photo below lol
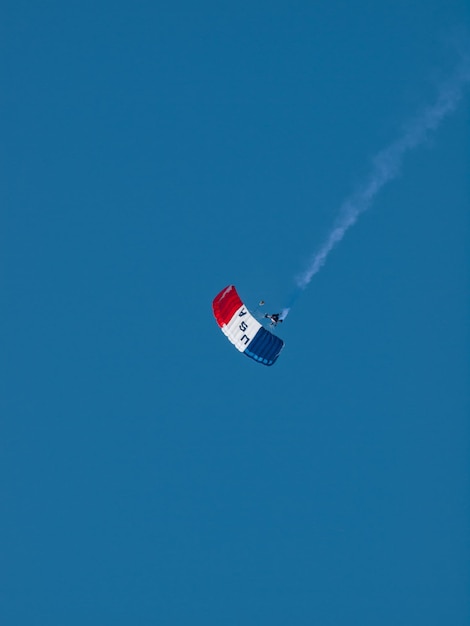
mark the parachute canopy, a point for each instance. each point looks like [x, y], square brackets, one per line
[243, 330]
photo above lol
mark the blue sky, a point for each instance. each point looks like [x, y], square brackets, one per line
[151, 474]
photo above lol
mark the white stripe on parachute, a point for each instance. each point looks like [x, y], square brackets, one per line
[241, 329]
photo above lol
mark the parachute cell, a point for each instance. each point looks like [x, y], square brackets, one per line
[243, 330]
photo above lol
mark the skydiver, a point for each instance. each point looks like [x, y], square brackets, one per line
[274, 318]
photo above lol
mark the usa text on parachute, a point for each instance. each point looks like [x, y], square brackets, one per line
[243, 330]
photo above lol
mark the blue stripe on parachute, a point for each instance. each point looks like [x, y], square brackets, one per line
[265, 347]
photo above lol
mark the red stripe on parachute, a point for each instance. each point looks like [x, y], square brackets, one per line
[226, 304]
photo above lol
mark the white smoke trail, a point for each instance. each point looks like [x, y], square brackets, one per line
[385, 167]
